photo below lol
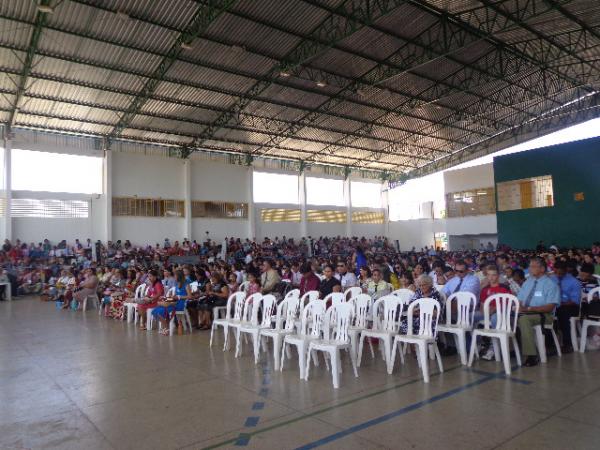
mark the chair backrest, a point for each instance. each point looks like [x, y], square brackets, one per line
[140, 291]
[269, 303]
[243, 286]
[307, 298]
[342, 314]
[429, 312]
[194, 287]
[292, 293]
[352, 292]
[507, 312]
[404, 294]
[237, 300]
[336, 298]
[313, 314]
[287, 311]
[590, 295]
[392, 309]
[466, 302]
[362, 305]
[251, 307]
[170, 292]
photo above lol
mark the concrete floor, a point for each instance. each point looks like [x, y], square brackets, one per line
[70, 380]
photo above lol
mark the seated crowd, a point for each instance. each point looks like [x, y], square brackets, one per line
[197, 277]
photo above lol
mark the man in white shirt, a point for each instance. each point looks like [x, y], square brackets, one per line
[296, 275]
[347, 279]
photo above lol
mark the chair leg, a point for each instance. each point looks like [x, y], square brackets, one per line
[390, 367]
[496, 349]
[371, 347]
[540, 341]
[361, 342]
[583, 340]
[387, 344]
[256, 342]
[472, 351]
[574, 338]
[517, 350]
[225, 337]
[335, 372]
[288, 351]
[281, 361]
[422, 349]
[556, 343]
[505, 354]
[212, 332]
[353, 359]
[431, 352]
[439, 357]
[302, 355]
[462, 346]
[238, 343]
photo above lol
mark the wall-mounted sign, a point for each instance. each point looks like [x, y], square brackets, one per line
[579, 196]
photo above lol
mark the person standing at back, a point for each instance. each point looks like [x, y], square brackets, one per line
[538, 296]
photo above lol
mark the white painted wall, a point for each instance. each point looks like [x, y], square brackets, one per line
[148, 230]
[213, 181]
[219, 229]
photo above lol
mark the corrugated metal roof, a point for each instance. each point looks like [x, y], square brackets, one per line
[267, 72]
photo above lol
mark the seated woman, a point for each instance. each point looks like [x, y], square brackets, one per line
[233, 285]
[217, 293]
[407, 281]
[154, 293]
[87, 287]
[253, 285]
[364, 278]
[425, 289]
[167, 308]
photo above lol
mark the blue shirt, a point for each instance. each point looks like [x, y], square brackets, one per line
[570, 288]
[470, 283]
[546, 291]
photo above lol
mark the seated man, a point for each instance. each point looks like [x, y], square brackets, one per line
[377, 287]
[329, 284]
[539, 295]
[570, 298]
[269, 277]
[347, 279]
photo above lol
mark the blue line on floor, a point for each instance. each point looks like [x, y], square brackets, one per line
[252, 421]
[398, 413]
[242, 440]
[258, 405]
[263, 392]
[501, 375]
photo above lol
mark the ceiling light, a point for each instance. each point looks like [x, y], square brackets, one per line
[186, 46]
[284, 74]
[321, 83]
[45, 9]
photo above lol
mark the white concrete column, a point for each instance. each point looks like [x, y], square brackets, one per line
[302, 202]
[187, 201]
[7, 189]
[348, 201]
[385, 203]
[107, 181]
[251, 207]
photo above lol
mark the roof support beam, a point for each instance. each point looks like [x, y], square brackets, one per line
[40, 21]
[202, 18]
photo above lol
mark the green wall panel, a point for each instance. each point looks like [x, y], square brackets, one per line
[575, 167]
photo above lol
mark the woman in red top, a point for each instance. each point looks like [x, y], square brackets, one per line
[154, 293]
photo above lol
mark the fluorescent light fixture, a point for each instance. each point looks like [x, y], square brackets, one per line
[321, 83]
[45, 9]
[284, 74]
[186, 46]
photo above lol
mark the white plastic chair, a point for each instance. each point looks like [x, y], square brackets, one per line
[245, 316]
[268, 304]
[591, 321]
[540, 339]
[184, 315]
[243, 286]
[383, 329]
[429, 312]
[352, 292]
[132, 314]
[235, 302]
[93, 300]
[404, 294]
[507, 315]
[466, 303]
[305, 300]
[312, 318]
[285, 319]
[336, 298]
[362, 305]
[332, 344]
